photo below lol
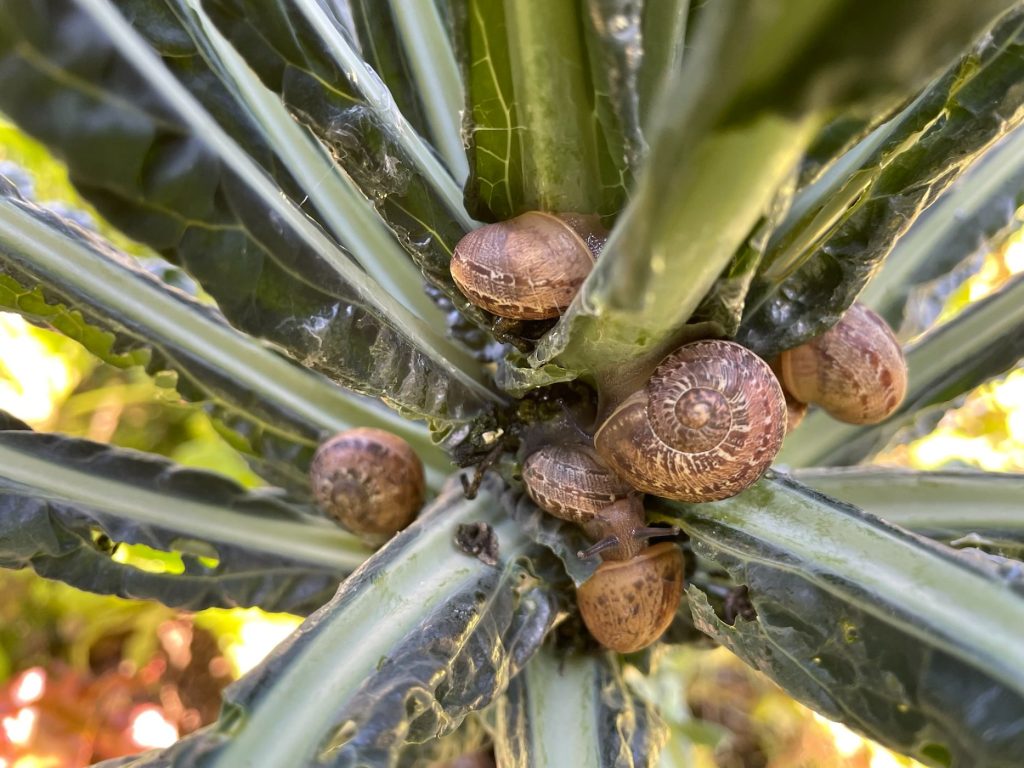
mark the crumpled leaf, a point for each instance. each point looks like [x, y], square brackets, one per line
[867, 623]
[356, 119]
[575, 710]
[971, 218]
[237, 547]
[137, 160]
[56, 274]
[813, 273]
[449, 633]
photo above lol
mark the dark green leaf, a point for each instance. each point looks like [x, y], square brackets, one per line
[448, 633]
[975, 212]
[985, 340]
[55, 273]
[535, 142]
[817, 265]
[729, 131]
[58, 494]
[294, 50]
[210, 207]
[866, 623]
[575, 710]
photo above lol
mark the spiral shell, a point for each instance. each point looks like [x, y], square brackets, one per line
[570, 482]
[529, 267]
[855, 371]
[369, 480]
[628, 604]
[706, 426]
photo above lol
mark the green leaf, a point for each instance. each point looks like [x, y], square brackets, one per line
[448, 633]
[960, 507]
[575, 710]
[975, 212]
[57, 494]
[865, 622]
[55, 273]
[613, 35]
[295, 48]
[983, 341]
[210, 206]
[821, 261]
[533, 134]
[436, 75]
[729, 131]
[664, 40]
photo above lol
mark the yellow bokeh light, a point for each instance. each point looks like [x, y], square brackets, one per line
[32, 378]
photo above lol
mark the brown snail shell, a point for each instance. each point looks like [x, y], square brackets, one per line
[571, 483]
[628, 604]
[529, 267]
[369, 480]
[855, 371]
[707, 425]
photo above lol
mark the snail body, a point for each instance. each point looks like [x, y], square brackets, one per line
[628, 604]
[707, 425]
[529, 267]
[855, 371]
[369, 480]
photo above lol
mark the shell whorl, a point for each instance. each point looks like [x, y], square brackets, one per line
[709, 422]
[571, 483]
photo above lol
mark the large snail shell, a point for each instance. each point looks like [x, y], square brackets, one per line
[526, 268]
[369, 480]
[628, 604]
[708, 424]
[855, 371]
[570, 482]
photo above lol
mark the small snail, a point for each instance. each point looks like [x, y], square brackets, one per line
[632, 597]
[628, 604]
[369, 480]
[529, 267]
[571, 483]
[707, 425]
[855, 371]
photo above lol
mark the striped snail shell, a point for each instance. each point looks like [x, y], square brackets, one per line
[707, 425]
[529, 267]
[369, 480]
[571, 483]
[855, 371]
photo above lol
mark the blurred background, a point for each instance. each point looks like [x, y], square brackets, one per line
[85, 678]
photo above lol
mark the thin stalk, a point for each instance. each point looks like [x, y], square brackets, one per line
[436, 73]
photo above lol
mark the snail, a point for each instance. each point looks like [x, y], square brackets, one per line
[705, 427]
[628, 604]
[632, 597]
[529, 267]
[369, 480]
[855, 371]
